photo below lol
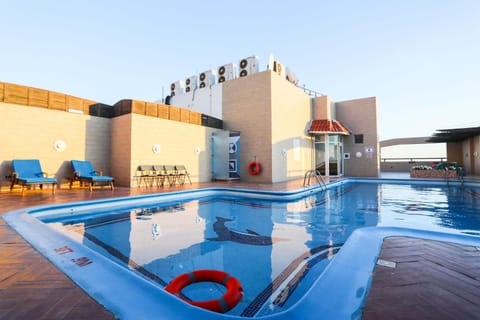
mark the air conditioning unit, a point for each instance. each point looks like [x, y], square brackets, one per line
[279, 69]
[206, 78]
[248, 66]
[290, 76]
[177, 88]
[190, 84]
[226, 72]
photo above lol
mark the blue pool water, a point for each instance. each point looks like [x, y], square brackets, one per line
[277, 249]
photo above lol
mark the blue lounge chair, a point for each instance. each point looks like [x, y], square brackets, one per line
[83, 171]
[30, 173]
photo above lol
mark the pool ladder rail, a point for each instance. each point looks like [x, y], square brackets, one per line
[460, 174]
[318, 177]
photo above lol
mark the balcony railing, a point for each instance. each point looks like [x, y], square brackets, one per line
[415, 159]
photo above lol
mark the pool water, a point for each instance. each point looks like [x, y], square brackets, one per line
[276, 249]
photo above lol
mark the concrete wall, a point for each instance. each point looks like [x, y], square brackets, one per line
[134, 136]
[476, 155]
[115, 146]
[455, 153]
[291, 144]
[206, 100]
[179, 143]
[30, 133]
[321, 108]
[470, 154]
[360, 116]
[247, 108]
[122, 149]
[272, 116]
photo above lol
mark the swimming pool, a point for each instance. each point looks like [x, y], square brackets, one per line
[279, 245]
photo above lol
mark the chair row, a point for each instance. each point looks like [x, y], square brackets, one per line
[149, 175]
[29, 173]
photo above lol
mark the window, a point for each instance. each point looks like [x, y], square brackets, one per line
[358, 138]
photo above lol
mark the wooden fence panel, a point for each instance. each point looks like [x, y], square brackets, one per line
[195, 118]
[15, 94]
[174, 113]
[138, 107]
[38, 97]
[151, 109]
[57, 101]
[86, 105]
[184, 115]
[74, 103]
[163, 111]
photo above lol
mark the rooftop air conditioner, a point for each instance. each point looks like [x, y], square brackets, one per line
[190, 84]
[177, 88]
[290, 76]
[248, 66]
[279, 69]
[226, 72]
[206, 78]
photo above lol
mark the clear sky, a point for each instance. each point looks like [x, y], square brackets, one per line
[420, 58]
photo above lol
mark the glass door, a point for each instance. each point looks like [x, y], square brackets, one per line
[320, 153]
[335, 154]
[329, 155]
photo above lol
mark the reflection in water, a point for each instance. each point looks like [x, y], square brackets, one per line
[243, 237]
[249, 237]
[155, 231]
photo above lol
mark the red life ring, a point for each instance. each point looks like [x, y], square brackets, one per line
[254, 168]
[226, 302]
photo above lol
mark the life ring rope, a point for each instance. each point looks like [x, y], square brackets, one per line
[223, 304]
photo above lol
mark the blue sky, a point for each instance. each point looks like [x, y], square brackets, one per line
[421, 59]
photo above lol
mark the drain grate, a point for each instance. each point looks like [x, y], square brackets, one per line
[386, 263]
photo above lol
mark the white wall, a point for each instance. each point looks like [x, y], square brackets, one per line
[206, 100]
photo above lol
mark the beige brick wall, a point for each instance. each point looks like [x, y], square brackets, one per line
[115, 146]
[360, 116]
[135, 135]
[322, 108]
[121, 149]
[30, 133]
[291, 145]
[247, 108]
[272, 116]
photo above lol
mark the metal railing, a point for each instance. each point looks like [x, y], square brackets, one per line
[415, 159]
[311, 93]
[318, 177]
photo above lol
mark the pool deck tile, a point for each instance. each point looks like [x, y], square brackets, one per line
[432, 280]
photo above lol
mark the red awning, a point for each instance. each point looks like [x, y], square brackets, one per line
[328, 126]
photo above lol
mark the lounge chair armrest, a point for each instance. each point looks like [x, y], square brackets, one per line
[100, 173]
[46, 175]
[13, 177]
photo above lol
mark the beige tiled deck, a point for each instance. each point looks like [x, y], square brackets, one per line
[32, 288]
